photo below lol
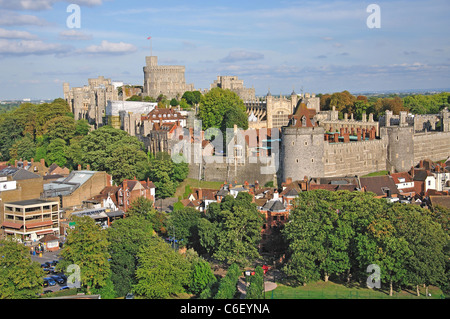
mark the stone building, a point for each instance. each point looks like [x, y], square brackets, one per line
[168, 80]
[232, 83]
[273, 112]
[89, 102]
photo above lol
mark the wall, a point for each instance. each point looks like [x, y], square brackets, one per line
[354, 158]
[432, 145]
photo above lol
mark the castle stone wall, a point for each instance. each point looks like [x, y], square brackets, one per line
[354, 158]
[432, 145]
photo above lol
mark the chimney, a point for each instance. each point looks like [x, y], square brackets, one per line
[256, 185]
[25, 163]
[88, 167]
[200, 193]
[346, 138]
[289, 181]
[15, 163]
[42, 162]
[79, 167]
[336, 138]
[411, 172]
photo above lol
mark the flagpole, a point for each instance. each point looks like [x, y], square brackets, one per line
[151, 45]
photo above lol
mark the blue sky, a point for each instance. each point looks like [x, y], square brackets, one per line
[314, 46]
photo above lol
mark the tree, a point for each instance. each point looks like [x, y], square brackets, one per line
[141, 206]
[56, 152]
[166, 174]
[20, 278]
[24, 148]
[255, 289]
[161, 272]
[82, 128]
[228, 284]
[126, 237]
[318, 238]
[427, 241]
[234, 230]
[215, 104]
[174, 102]
[114, 151]
[87, 247]
[61, 127]
[185, 222]
[202, 276]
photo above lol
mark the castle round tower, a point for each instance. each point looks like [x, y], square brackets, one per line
[302, 146]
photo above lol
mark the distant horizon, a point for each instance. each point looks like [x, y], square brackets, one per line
[407, 91]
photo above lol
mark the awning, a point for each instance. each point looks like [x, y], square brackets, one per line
[38, 224]
[12, 225]
[49, 231]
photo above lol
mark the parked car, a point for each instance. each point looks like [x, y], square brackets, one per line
[58, 279]
[45, 283]
[64, 288]
[50, 281]
[47, 271]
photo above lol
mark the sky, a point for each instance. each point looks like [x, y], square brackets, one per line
[306, 46]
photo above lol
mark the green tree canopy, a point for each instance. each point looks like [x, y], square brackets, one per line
[114, 151]
[221, 108]
[20, 278]
[126, 237]
[162, 272]
[87, 247]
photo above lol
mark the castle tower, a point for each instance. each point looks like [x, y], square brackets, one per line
[168, 80]
[400, 152]
[302, 151]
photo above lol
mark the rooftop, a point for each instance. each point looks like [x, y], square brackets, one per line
[31, 202]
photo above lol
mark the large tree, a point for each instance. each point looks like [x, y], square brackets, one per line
[87, 248]
[114, 151]
[162, 272]
[20, 278]
[232, 231]
[126, 237]
[221, 108]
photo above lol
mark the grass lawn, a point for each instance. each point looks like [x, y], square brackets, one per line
[380, 173]
[194, 183]
[330, 290]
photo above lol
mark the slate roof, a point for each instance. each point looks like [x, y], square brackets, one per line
[274, 206]
[18, 174]
[379, 185]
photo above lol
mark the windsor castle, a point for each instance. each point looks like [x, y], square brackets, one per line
[310, 142]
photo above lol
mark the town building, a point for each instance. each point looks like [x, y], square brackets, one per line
[30, 220]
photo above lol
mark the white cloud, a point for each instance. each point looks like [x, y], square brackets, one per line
[30, 47]
[14, 19]
[107, 47]
[15, 34]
